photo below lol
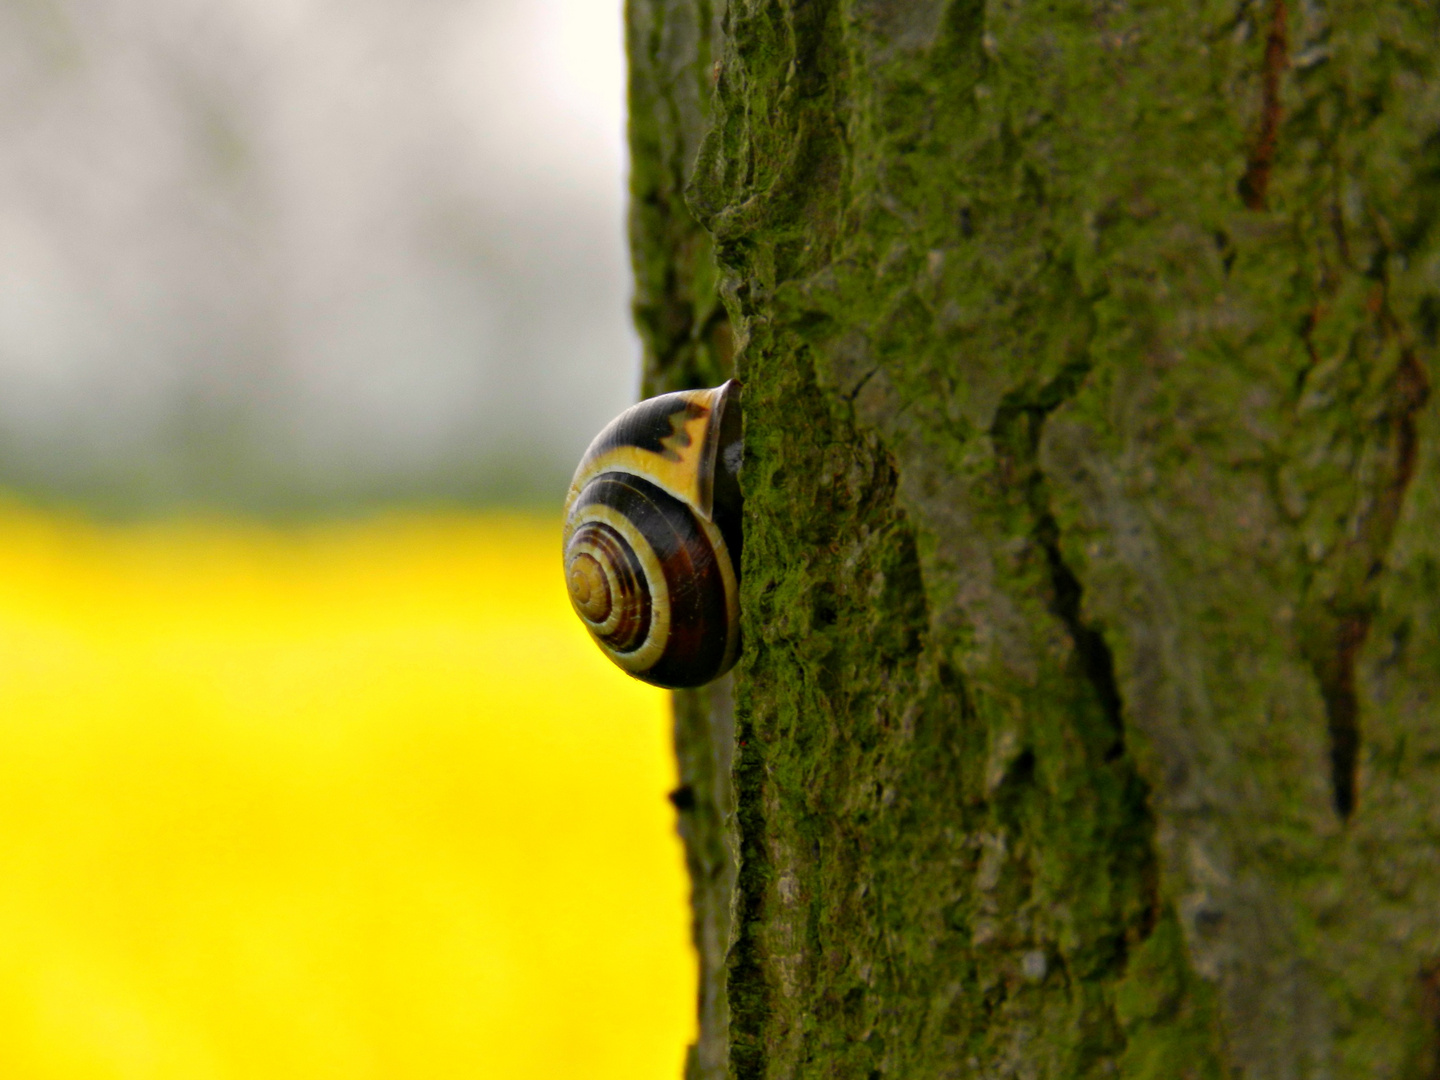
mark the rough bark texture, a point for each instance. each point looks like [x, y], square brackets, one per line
[1089, 716]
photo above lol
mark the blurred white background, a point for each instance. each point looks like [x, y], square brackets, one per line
[302, 255]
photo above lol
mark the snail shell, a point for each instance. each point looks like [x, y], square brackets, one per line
[652, 537]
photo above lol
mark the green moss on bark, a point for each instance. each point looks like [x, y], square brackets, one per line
[1087, 723]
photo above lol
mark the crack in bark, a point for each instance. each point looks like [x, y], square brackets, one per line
[1096, 660]
[1018, 427]
[853, 394]
[1097, 663]
[1342, 710]
[1254, 186]
[1093, 653]
[1344, 617]
[1334, 665]
[1336, 672]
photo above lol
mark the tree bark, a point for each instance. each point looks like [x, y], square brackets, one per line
[1088, 722]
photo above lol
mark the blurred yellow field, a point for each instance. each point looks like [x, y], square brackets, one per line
[347, 801]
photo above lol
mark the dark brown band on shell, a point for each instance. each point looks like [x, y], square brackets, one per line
[695, 651]
[650, 425]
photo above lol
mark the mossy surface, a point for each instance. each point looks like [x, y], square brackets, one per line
[1089, 717]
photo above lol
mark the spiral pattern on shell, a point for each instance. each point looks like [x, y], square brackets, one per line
[651, 535]
[608, 586]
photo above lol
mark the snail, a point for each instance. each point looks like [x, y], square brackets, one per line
[652, 537]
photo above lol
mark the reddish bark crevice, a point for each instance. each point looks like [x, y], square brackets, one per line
[1336, 672]
[1255, 184]
[1412, 390]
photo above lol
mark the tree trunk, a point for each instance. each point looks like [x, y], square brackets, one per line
[1088, 722]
